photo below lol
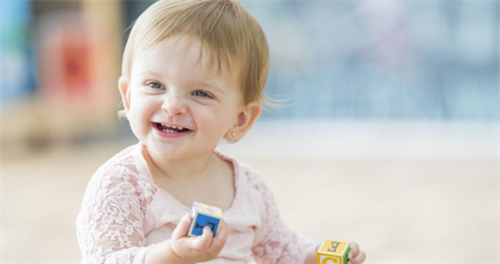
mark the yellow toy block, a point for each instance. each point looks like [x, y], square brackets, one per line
[204, 215]
[333, 252]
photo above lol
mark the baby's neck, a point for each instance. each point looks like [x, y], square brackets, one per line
[181, 170]
[209, 180]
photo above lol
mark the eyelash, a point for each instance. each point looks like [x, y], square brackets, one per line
[149, 85]
[206, 95]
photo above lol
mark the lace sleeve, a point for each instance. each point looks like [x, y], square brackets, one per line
[276, 242]
[109, 225]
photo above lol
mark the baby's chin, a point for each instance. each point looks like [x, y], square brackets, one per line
[181, 152]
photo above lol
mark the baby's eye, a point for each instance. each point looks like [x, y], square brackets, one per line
[202, 94]
[154, 85]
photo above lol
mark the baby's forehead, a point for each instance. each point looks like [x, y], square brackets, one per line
[186, 52]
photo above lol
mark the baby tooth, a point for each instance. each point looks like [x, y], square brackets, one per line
[174, 126]
[180, 128]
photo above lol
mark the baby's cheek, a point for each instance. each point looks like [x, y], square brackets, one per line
[137, 129]
[139, 122]
[212, 127]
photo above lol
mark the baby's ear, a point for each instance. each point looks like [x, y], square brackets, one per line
[123, 87]
[244, 122]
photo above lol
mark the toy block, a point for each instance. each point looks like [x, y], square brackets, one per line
[204, 215]
[333, 252]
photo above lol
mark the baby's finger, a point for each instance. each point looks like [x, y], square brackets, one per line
[205, 240]
[182, 228]
[221, 236]
[354, 250]
[360, 258]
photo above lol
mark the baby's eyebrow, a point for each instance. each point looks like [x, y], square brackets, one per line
[156, 74]
[203, 83]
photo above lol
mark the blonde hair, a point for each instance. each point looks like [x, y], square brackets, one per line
[229, 31]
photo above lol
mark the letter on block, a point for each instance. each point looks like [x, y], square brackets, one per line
[333, 252]
[204, 215]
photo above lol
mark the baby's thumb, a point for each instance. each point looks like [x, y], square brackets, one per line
[182, 228]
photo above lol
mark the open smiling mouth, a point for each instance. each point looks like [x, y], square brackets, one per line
[170, 129]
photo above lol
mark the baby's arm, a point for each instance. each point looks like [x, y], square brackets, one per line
[275, 241]
[110, 223]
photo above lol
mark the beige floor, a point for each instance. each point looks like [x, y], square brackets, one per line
[398, 210]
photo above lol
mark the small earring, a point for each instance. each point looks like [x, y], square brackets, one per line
[233, 134]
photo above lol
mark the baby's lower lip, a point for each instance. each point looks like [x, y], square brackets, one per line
[171, 133]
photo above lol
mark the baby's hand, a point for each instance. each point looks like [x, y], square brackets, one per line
[356, 256]
[200, 248]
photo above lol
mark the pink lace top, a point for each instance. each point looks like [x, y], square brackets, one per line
[124, 212]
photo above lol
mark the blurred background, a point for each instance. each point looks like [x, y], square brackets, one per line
[390, 135]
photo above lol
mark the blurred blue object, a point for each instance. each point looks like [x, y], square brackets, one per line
[16, 49]
[397, 60]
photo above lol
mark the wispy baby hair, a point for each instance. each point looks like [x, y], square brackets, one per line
[232, 35]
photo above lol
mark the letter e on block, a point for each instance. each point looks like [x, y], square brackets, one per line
[333, 252]
[204, 215]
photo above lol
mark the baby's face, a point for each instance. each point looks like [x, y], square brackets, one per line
[169, 87]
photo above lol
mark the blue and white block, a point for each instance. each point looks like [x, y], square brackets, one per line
[204, 215]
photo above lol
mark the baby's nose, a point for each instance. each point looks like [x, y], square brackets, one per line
[174, 106]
